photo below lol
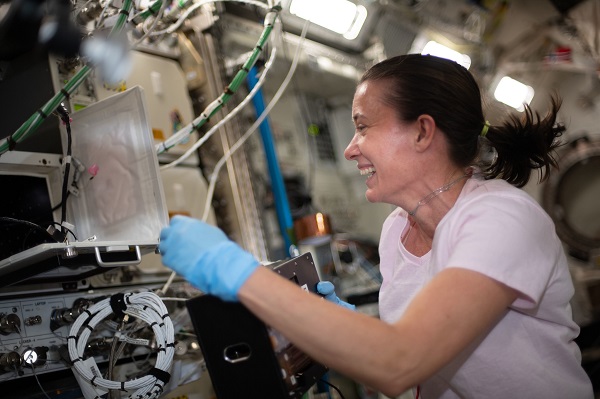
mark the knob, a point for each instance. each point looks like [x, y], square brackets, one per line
[9, 323]
[10, 361]
[35, 357]
[33, 320]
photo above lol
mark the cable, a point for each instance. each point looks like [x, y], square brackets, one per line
[145, 306]
[25, 222]
[249, 63]
[229, 91]
[333, 386]
[41, 114]
[154, 23]
[199, 4]
[242, 140]
[227, 117]
[101, 17]
[64, 116]
[38, 382]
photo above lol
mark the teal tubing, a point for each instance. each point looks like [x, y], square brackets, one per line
[282, 207]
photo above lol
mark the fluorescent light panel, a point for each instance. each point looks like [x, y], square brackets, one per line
[513, 93]
[439, 50]
[340, 16]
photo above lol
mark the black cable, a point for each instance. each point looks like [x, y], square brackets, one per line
[65, 228]
[333, 386]
[25, 222]
[59, 205]
[34, 226]
[64, 116]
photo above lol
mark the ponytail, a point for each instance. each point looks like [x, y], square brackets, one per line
[524, 144]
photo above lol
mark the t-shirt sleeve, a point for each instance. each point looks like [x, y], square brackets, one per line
[508, 238]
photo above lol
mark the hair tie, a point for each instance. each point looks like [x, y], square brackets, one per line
[484, 130]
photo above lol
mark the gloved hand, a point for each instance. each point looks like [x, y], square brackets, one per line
[205, 257]
[327, 289]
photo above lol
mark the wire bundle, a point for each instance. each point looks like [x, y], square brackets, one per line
[41, 114]
[230, 90]
[145, 306]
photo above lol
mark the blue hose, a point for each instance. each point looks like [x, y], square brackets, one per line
[282, 207]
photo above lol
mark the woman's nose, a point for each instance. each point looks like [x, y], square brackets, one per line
[351, 150]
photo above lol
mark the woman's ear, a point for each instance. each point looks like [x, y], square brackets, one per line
[425, 132]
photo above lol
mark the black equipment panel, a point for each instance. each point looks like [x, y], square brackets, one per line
[246, 358]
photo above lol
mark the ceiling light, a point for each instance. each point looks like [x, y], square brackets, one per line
[439, 50]
[513, 93]
[341, 16]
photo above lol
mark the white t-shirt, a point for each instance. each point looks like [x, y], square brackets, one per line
[498, 230]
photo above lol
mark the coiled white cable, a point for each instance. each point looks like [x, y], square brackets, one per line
[145, 306]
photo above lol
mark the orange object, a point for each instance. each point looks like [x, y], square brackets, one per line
[311, 227]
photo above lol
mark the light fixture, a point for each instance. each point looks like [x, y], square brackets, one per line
[439, 50]
[340, 16]
[513, 93]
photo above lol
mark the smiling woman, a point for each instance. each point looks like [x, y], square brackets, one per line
[475, 279]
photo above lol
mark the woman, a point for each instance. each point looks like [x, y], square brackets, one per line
[475, 297]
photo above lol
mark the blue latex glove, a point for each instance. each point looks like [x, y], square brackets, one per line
[205, 257]
[327, 289]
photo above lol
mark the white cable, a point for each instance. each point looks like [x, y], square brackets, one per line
[230, 115]
[145, 306]
[187, 130]
[101, 16]
[224, 120]
[242, 140]
[227, 117]
[199, 4]
[147, 33]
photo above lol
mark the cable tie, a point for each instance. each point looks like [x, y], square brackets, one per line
[65, 93]
[243, 68]
[171, 345]
[153, 324]
[164, 316]
[11, 143]
[90, 317]
[259, 47]
[122, 11]
[161, 375]
[161, 349]
[43, 115]
[228, 91]
[89, 327]
[92, 381]
[72, 337]
[123, 386]
[117, 304]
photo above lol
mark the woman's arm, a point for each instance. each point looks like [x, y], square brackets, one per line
[455, 308]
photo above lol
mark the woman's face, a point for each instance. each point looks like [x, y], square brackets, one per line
[381, 145]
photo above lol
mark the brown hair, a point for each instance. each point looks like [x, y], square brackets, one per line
[445, 90]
